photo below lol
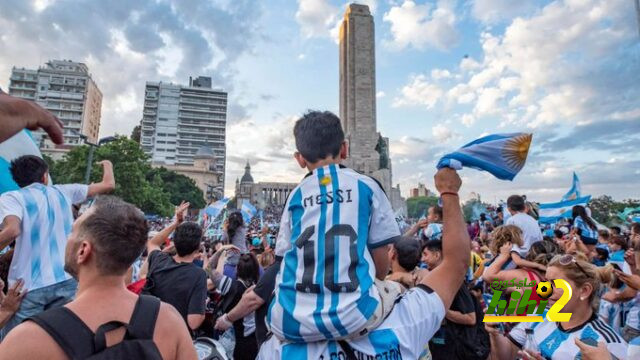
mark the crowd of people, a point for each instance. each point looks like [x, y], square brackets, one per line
[329, 275]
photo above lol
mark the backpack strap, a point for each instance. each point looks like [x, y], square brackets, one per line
[68, 331]
[143, 319]
[100, 340]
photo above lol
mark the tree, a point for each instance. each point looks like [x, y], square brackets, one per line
[131, 167]
[473, 208]
[179, 187]
[135, 134]
[417, 206]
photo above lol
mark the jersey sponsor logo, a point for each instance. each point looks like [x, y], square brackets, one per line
[340, 196]
[518, 303]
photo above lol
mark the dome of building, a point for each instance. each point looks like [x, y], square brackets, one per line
[247, 178]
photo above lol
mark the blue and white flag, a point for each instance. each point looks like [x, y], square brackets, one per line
[574, 192]
[16, 146]
[215, 209]
[248, 211]
[503, 155]
[553, 212]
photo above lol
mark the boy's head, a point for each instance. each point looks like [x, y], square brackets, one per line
[406, 252]
[618, 243]
[29, 169]
[319, 136]
[435, 214]
[187, 238]
[516, 204]
[432, 253]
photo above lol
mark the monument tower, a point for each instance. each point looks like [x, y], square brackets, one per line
[368, 150]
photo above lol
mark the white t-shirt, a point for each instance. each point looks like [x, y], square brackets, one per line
[416, 316]
[433, 232]
[530, 231]
[325, 285]
[558, 344]
[46, 220]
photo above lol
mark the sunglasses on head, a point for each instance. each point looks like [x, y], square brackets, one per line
[569, 259]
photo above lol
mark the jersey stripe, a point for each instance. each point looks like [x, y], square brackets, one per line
[54, 251]
[336, 264]
[320, 258]
[598, 324]
[32, 211]
[287, 298]
[366, 304]
[292, 351]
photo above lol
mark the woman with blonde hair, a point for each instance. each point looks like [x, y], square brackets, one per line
[565, 340]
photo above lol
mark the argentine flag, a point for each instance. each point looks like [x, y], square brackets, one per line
[215, 209]
[248, 211]
[18, 145]
[503, 155]
[574, 192]
[553, 212]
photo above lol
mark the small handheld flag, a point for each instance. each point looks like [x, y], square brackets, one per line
[248, 211]
[215, 209]
[503, 155]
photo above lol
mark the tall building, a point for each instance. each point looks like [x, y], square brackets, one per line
[421, 190]
[261, 194]
[180, 121]
[368, 149]
[66, 89]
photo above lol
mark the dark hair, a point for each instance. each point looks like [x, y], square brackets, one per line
[616, 229]
[603, 253]
[437, 210]
[318, 134]
[433, 245]
[542, 252]
[604, 234]
[248, 268]
[557, 233]
[187, 238]
[28, 169]
[516, 203]
[235, 222]
[408, 251]
[579, 210]
[635, 227]
[483, 217]
[118, 231]
[620, 241]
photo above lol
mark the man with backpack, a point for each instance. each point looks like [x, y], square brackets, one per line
[105, 320]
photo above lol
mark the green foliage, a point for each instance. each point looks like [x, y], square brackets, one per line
[154, 191]
[135, 134]
[605, 210]
[473, 208]
[417, 206]
[179, 187]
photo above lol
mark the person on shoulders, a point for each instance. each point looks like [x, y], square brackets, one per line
[103, 244]
[516, 205]
[417, 314]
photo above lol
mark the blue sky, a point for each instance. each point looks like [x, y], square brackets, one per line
[447, 72]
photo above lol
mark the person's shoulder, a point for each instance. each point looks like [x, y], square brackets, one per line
[29, 341]
[168, 319]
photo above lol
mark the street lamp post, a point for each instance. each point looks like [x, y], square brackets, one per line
[92, 149]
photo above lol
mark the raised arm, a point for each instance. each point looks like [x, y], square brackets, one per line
[445, 279]
[417, 226]
[155, 242]
[17, 114]
[108, 182]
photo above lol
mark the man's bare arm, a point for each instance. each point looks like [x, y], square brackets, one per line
[108, 182]
[10, 230]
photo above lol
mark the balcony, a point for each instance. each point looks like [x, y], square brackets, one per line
[149, 112]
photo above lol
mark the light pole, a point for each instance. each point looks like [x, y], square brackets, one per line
[92, 148]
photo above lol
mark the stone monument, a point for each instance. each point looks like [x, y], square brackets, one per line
[368, 150]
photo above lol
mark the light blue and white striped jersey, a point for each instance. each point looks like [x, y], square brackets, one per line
[558, 344]
[404, 334]
[46, 220]
[325, 289]
[432, 232]
[585, 230]
[633, 317]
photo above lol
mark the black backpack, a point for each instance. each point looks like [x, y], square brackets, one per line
[471, 342]
[79, 342]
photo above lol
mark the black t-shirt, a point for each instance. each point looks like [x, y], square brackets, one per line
[264, 289]
[441, 344]
[183, 285]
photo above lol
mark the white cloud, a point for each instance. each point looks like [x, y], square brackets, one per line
[380, 94]
[422, 26]
[301, 56]
[316, 17]
[442, 133]
[468, 120]
[437, 74]
[492, 11]
[419, 92]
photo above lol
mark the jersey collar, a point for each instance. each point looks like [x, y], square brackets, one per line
[579, 327]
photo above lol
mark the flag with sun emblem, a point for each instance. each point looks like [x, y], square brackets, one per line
[503, 155]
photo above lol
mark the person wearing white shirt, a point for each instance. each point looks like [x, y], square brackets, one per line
[39, 217]
[529, 226]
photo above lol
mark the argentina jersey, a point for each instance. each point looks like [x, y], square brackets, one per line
[558, 344]
[325, 287]
[46, 219]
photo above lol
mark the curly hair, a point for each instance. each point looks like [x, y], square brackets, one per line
[504, 234]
